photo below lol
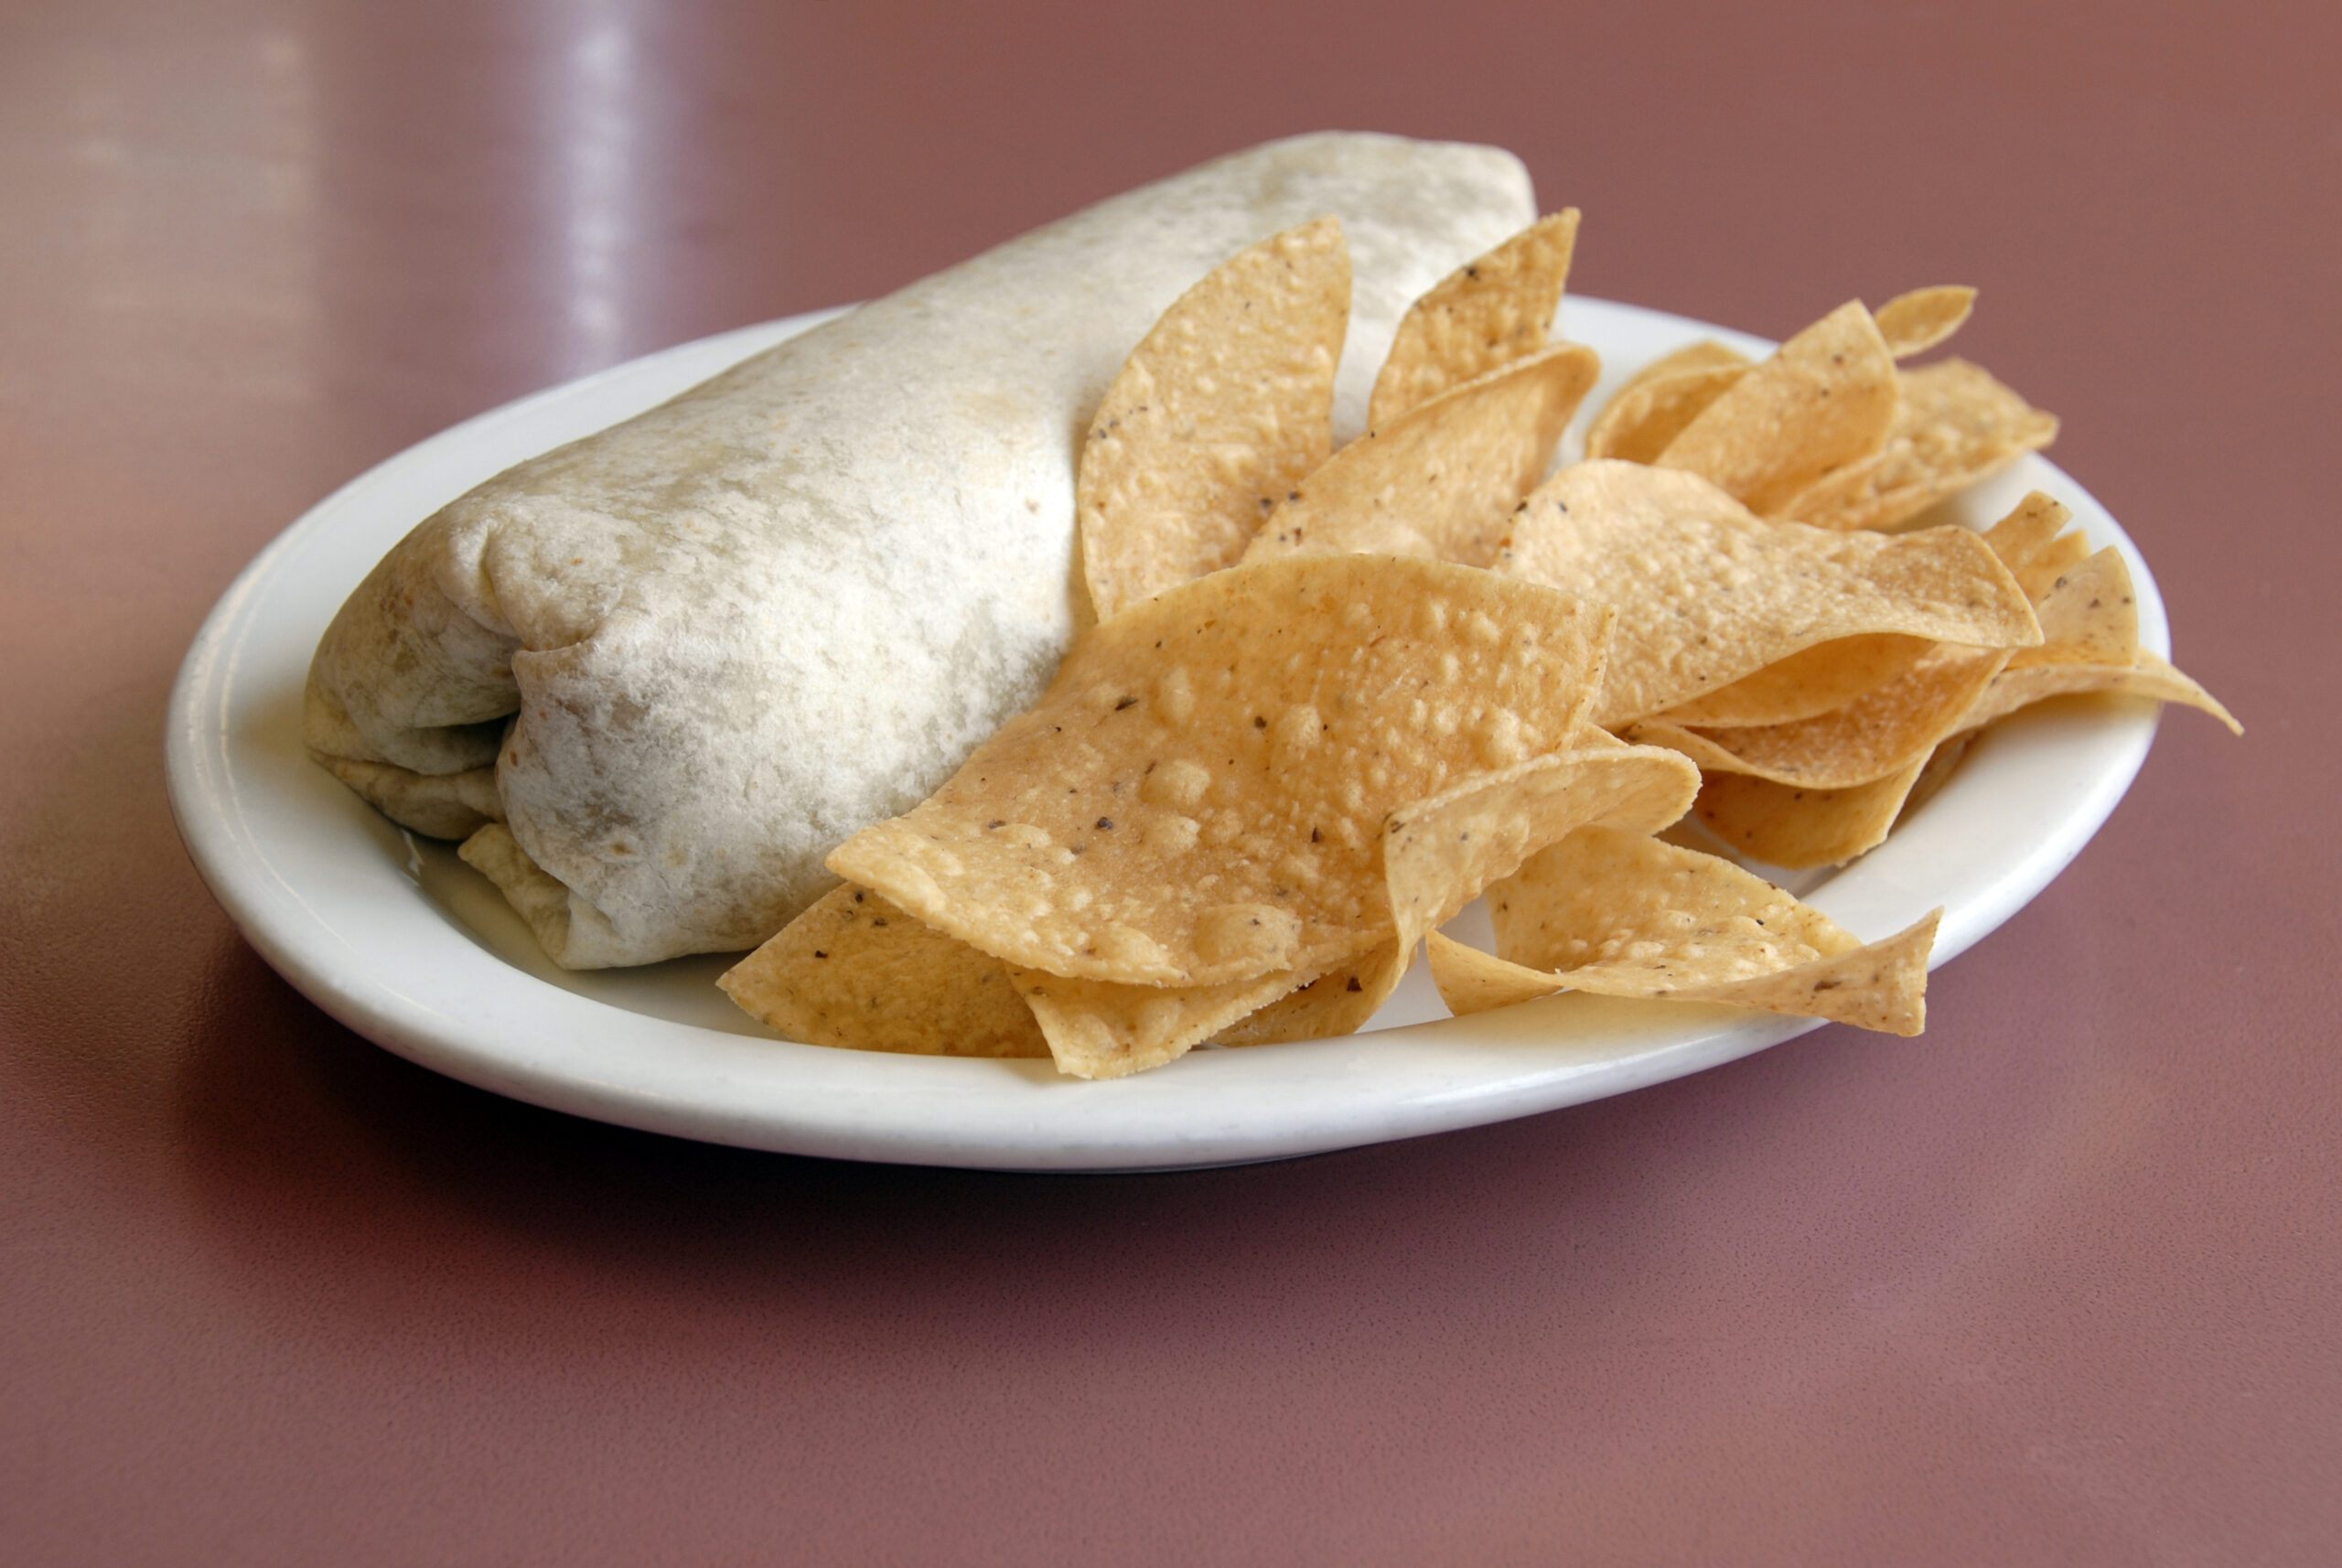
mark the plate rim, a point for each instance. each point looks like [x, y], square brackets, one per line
[870, 1106]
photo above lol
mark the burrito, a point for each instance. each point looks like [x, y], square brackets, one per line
[653, 678]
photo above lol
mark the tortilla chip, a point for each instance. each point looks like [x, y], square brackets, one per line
[1807, 683]
[1442, 479]
[2030, 528]
[1706, 354]
[1826, 399]
[1337, 1003]
[2146, 675]
[1221, 410]
[2089, 615]
[1650, 411]
[1884, 731]
[1097, 1029]
[1470, 981]
[1200, 797]
[1915, 322]
[1439, 854]
[1707, 594]
[1621, 900]
[1624, 915]
[1956, 426]
[2060, 556]
[1880, 987]
[2090, 624]
[1484, 315]
[1794, 827]
[855, 971]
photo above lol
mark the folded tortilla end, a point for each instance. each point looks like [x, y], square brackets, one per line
[437, 805]
[573, 934]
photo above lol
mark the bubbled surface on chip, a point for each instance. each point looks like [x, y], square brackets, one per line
[1201, 794]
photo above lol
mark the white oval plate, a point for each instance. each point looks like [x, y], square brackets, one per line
[398, 939]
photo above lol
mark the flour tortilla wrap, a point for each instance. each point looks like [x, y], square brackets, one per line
[659, 674]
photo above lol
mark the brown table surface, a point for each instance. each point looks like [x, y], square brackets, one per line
[2057, 1281]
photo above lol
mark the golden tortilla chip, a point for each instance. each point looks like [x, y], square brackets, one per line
[2030, 528]
[1439, 854]
[2146, 675]
[1807, 683]
[1706, 354]
[1224, 408]
[2089, 625]
[2060, 556]
[1485, 314]
[1625, 915]
[1956, 426]
[1622, 899]
[1884, 731]
[1097, 1029]
[1881, 987]
[2089, 615]
[1442, 479]
[855, 971]
[1827, 399]
[1200, 797]
[1915, 322]
[1795, 827]
[1651, 410]
[1470, 981]
[1337, 1003]
[1707, 594]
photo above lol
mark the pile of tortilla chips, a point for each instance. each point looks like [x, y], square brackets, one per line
[1333, 696]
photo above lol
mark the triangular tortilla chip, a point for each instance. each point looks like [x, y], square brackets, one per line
[1882, 732]
[1807, 683]
[1826, 399]
[2145, 676]
[1956, 426]
[1707, 594]
[855, 971]
[1200, 797]
[1794, 827]
[2030, 528]
[1624, 915]
[1097, 1029]
[1484, 315]
[1338, 1001]
[1439, 854]
[1219, 411]
[1915, 322]
[1442, 479]
[2060, 556]
[1652, 408]
[2090, 624]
